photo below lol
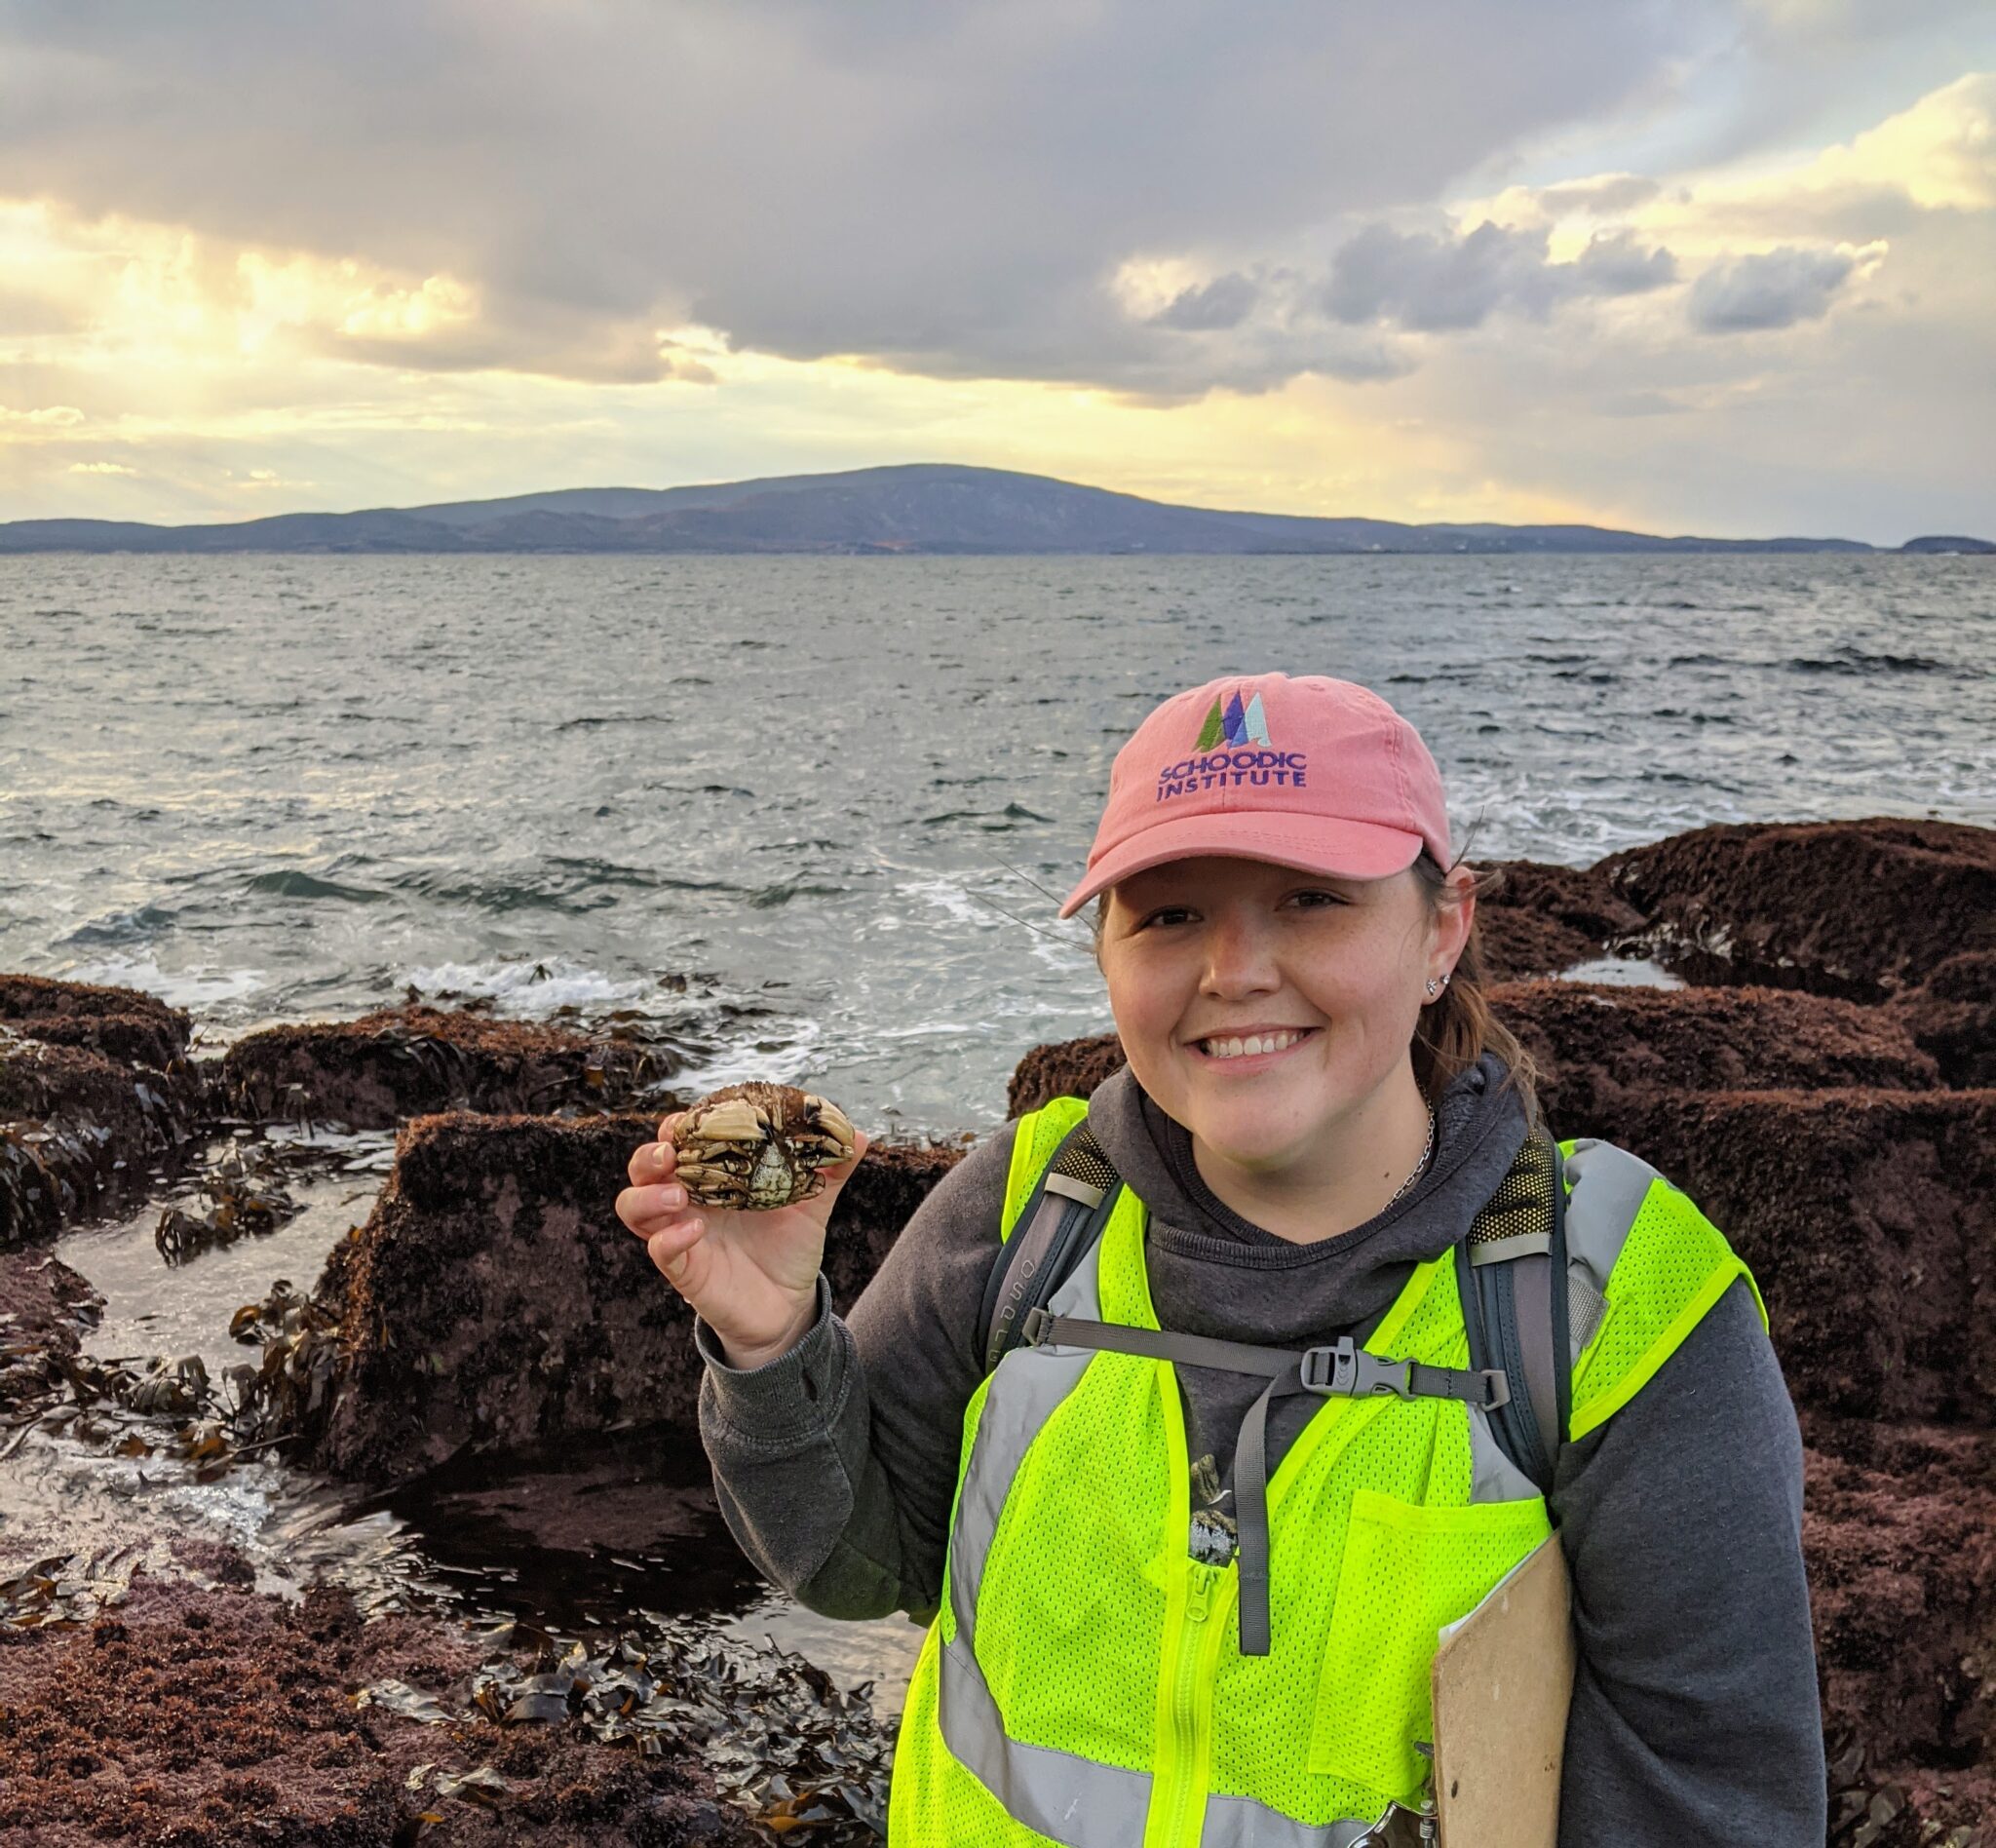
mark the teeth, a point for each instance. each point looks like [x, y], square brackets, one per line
[1254, 1042]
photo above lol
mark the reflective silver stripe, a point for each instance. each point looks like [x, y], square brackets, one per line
[1608, 1188]
[1493, 1476]
[1239, 1822]
[1024, 1390]
[1071, 1799]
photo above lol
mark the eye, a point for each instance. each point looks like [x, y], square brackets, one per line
[1315, 899]
[1165, 914]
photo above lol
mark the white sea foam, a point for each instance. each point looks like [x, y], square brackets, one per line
[1615, 973]
[795, 1059]
[526, 990]
[952, 898]
[203, 985]
[1026, 917]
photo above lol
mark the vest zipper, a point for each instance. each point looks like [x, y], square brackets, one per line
[1177, 1808]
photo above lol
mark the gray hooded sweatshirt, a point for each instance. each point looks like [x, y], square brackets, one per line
[1695, 1716]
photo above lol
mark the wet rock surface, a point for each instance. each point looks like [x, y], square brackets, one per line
[412, 1060]
[81, 1127]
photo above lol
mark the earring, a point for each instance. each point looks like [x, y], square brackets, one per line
[1433, 990]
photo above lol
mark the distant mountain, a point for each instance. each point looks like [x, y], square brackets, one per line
[917, 508]
[1948, 542]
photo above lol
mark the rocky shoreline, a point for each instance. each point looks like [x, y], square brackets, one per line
[1821, 1083]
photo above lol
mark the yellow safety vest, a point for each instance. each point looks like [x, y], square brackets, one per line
[1083, 1681]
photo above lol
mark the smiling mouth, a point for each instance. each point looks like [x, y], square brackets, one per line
[1252, 1047]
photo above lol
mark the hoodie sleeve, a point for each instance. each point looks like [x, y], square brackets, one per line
[836, 1464]
[1695, 1716]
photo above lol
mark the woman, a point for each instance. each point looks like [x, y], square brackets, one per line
[1183, 1604]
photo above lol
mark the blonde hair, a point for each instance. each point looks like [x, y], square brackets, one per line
[1458, 1026]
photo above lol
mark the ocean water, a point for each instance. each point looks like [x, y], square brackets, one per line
[809, 812]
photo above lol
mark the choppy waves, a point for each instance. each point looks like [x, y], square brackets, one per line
[842, 862]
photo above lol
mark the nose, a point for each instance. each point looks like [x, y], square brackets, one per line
[1239, 957]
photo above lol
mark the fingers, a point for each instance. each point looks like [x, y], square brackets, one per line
[647, 1210]
[672, 1250]
[652, 1163]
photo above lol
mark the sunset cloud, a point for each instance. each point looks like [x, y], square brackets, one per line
[1755, 294]
[1380, 257]
[1430, 284]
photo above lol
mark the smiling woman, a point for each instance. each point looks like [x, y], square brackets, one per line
[1271, 1014]
[1328, 1337]
[1361, 950]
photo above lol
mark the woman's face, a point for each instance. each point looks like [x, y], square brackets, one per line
[1328, 974]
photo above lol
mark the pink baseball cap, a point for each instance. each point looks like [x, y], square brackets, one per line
[1308, 772]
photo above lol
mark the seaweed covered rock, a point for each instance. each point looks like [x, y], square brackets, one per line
[209, 1714]
[1860, 910]
[1953, 1015]
[45, 1308]
[494, 1298]
[1592, 1046]
[76, 1127]
[874, 1207]
[402, 1062]
[125, 1024]
[1065, 1068]
[1902, 1552]
[94, 1083]
[1870, 1221]
[1539, 919]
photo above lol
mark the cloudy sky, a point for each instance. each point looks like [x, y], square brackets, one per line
[1724, 266]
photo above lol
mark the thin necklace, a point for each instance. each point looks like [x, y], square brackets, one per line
[1420, 1166]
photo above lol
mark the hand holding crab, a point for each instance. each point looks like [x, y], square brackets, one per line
[732, 1202]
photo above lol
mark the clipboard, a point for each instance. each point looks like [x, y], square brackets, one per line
[1501, 1682]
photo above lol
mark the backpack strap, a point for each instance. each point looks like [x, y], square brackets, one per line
[1343, 1369]
[1506, 1271]
[1062, 1216]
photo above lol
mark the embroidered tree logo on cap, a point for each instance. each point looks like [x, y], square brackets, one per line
[1236, 725]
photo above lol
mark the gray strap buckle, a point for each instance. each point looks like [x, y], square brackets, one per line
[1346, 1371]
[1034, 1326]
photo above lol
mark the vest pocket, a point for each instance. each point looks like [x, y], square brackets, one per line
[1407, 1571]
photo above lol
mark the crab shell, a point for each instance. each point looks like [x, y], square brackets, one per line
[757, 1147]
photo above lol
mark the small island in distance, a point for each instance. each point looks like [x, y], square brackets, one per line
[921, 508]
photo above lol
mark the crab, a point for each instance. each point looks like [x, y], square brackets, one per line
[757, 1147]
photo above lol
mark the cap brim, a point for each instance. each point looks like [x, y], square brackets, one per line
[1338, 848]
